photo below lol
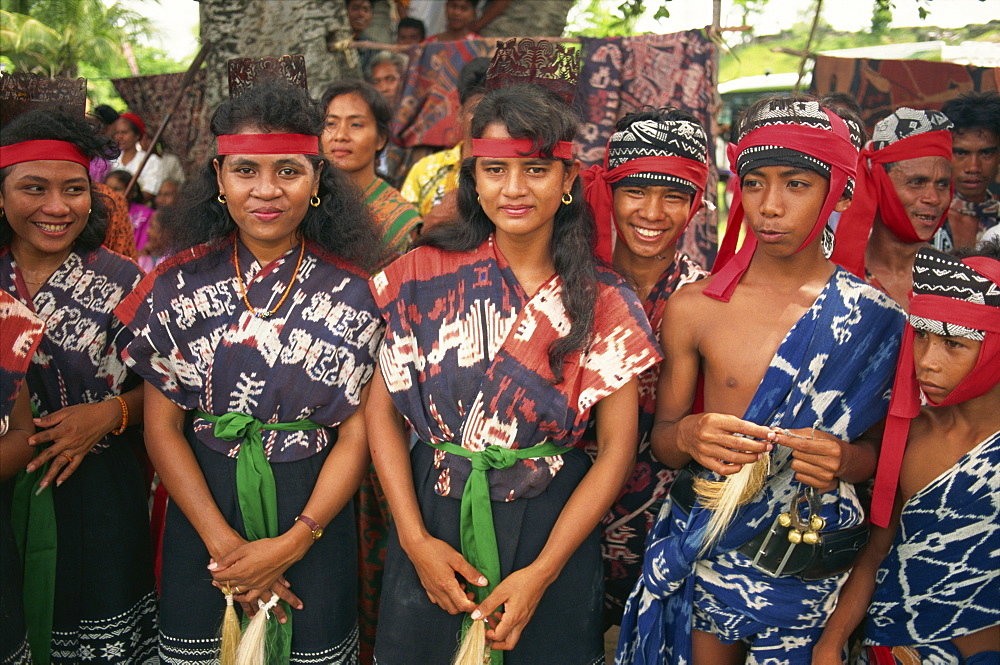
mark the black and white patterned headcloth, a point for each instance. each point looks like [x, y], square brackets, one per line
[789, 112]
[939, 274]
[657, 138]
[905, 122]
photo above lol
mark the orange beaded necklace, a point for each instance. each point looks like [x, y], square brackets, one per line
[264, 314]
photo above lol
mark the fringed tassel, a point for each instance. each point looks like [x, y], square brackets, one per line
[230, 632]
[725, 497]
[253, 647]
[474, 649]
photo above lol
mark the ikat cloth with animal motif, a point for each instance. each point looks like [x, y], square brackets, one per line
[465, 360]
[20, 333]
[196, 341]
[632, 515]
[78, 360]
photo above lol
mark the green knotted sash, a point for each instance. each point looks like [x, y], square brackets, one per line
[479, 537]
[258, 499]
[33, 517]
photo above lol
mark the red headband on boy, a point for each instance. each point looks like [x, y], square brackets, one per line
[875, 192]
[517, 148]
[30, 151]
[597, 181]
[831, 147]
[905, 402]
[268, 144]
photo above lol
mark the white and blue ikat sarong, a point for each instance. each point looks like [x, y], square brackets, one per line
[834, 371]
[940, 580]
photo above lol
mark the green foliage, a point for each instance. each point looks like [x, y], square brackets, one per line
[882, 16]
[636, 8]
[597, 19]
[55, 36]
[71, 38]
[609, 18]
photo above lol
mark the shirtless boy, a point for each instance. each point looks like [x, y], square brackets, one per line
[795, 356]
[936, 596]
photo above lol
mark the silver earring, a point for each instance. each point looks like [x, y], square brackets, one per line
[826, 241]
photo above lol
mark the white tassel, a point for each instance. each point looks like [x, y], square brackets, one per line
[230, 632]
[474, 649]
[252, 649]
[724, 498]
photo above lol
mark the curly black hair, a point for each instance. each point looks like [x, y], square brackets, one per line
[531, 112]
[341, 224]
[57, 125]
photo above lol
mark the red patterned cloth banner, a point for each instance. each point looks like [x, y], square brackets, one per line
[882, 86]
[150, 98]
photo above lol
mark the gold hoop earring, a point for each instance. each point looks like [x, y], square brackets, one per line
[567, 198]
[221, 198]
[315, 201]
[478, 201]
[2, 213]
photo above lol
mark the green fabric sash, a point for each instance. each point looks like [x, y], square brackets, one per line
[479, 538]
[258, 499]
[33, 517]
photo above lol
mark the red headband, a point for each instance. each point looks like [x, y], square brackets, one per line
[268, 144]
[517, 149]
[597, 181]
[875, 192]
[832, 147]
[905, 402]
[135, 120]
[30, 151]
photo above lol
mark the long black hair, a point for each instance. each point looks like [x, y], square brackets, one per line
[531, 112]
[341, 223]
[85, 135]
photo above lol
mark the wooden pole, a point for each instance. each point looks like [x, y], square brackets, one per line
[807, 51]
[188, 77]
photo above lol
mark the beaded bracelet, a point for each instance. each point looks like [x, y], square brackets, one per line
[121, 428]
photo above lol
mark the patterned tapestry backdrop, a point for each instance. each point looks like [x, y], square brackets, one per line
[618, 75]
[881, 86]
[150, 98]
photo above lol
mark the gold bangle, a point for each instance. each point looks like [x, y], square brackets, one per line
[124, 424]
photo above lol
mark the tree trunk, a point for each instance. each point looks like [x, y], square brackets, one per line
[530, 18]
[259, 28]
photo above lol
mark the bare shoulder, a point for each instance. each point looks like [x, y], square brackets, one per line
[932, 448]
[690, 300]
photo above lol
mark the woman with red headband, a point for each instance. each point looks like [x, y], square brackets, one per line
[502, 334]
[80, 505]
[127, 130]
[257, 339]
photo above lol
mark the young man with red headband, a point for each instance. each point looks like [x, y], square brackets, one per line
[902, 198]
[772, 367]
[643, 197]
[928, 579]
